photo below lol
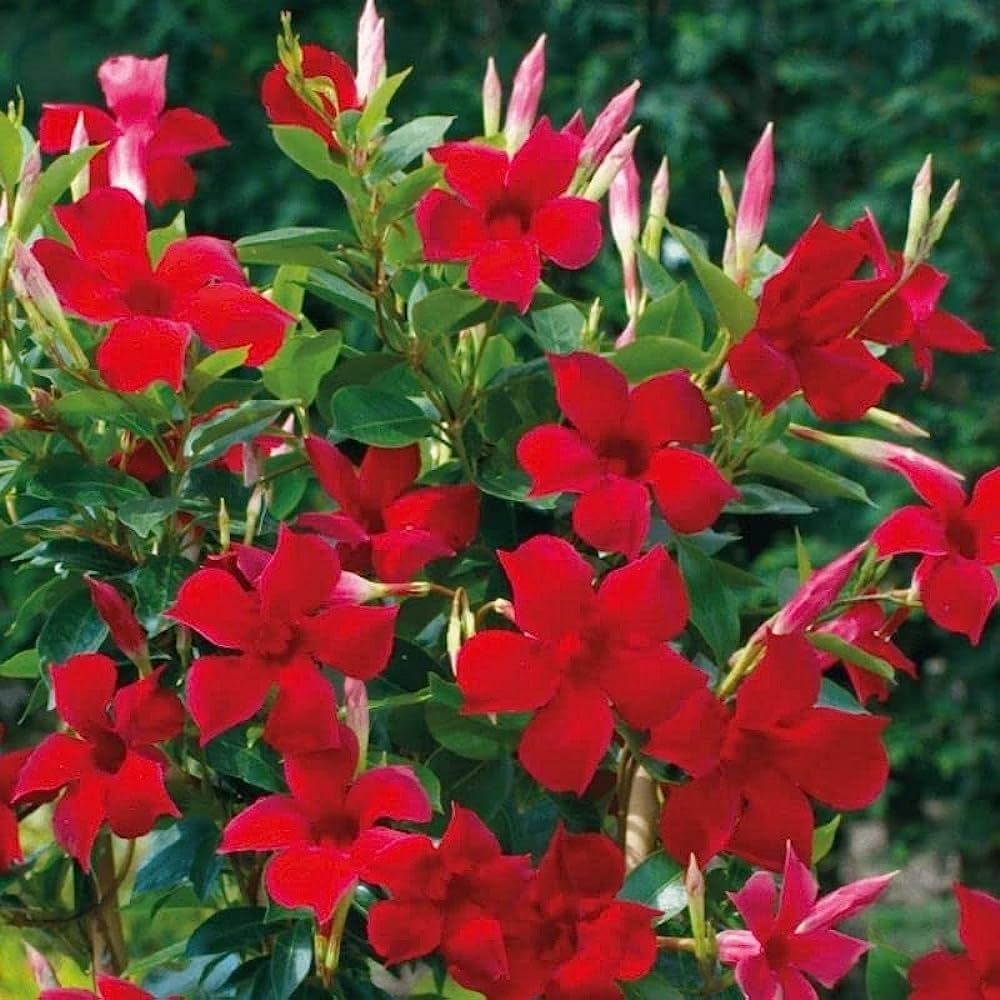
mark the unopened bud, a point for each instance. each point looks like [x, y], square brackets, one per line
[461, 626]
[126, 632]
[694, 886]
[10, 421]
[592, 326]
[726, 197]
[620, 153]
[80, 184]
[755, 201]
[624, 209]
[371, 51]
[225, 539]
[492, 99]
[895, 423]
[940, 218]
[608, 126]
[815, 595]
[525, 94]
[31, 170]
[920, 212]
[659, 196]
[41, 969]
[357, 716]
[32, 283]
[354, 589]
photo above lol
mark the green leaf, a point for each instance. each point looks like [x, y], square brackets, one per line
[257, 765]
[309, 245]
[775, 462]
[296, 370]
[823, 838]
[183, 853]
[559, 329]
[674, 315]
[482, 786]
[447, 309]
[758, 499]
[159, 239]
[72, 627]
[11, 154]
[832, 695]
[403, 196]
[657, 882]
[655, 986]
[713, 609]
[406, 143]
[217, 364]
[736, 310]
[69, 479]
[52, 184]
[25, 665]
[156, 583]
[379, 418]
[885, 974]
[653, 355]
[468, 736]
[656, 279]
[849, 653]
[342, 293]
[146, 515]
[291, 959]
[305, 149]
[212, 438]
[378, 104]
[229, 930]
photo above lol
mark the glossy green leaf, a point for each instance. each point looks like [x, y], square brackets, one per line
[257, 765]
[228, 930]
[182, 853]
[69, 479]
[775, 462]
[653, 355]
[674, 315]
[214, 437]
[713, 608]
[378, 104]
[558, 329]
[291, 959]
[377, 417]
[25, 665]
[885, 974]
[447, 309]
[849, 653]
[53, 183]
[11, 153]
[72, 627]
[296, 371]
[403, 196]
[756, 498]
[823, 838]
[403, 145]
[657, 882]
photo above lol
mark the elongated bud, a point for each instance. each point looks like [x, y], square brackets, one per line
[920, 211]
[815, 595]
[729, 265]
[357, 717]
[27, 181]
[940, 218]
[641, 815]
[41, 968]
[492, 99]
[80, 184]
[525, 94]
[289, 49]
[755, 200]
[371, 51]
[624, 209]
[608, 126]
[895, 423]
[354, 589]
[461, 626]
[126, 632]
[659, 196]
[620, 153]
[592, 326]
[32, 283]
[225, 536]
[726, 197]
[694, 887]
[11, 421]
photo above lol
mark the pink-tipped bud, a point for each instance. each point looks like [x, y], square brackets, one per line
[10, 421]
[576, 126]
[31, 283]
[126, 632]
[41, 970]
[80, 184]
[525, 95]
[357, 716]
[608, 126]
[816, 594]
[920, 211]
[354, 589]
[492, 99]
[27, 181]
[371, 52]
[895, 423]
[626, 337]
[659, 196]
[755, 200]
[620, 153]
[624, 210]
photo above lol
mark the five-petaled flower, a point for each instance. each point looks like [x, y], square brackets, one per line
[382, 523]
[282, 617]
[323, 833]
[973, 974]
[110, 769]
[147, 146]
[958, 539]
[507, 214]
[453, 897]
[196, 287]
[622, 440]
[809, 309]
[756, 763]
[580, 653]
[792, 937]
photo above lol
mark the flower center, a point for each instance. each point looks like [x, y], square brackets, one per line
[962, 537]
[148, 298]
[274, 640]
[776, 952]
[335, 830]
[108, 752]
[508, 221]
[625, 457]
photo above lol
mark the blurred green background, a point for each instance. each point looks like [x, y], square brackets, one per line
[859, 90]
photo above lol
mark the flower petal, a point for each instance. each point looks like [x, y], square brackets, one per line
[592, 393]
[844, 903]
[78, 816]
[645, 600]
[215, 605]
[300, 577]
[137, 796]
[81, 288]
[144, 713]
[910, 529]
[983, 514]
[391, 792]
[614, 516]
[357, 641]
[958, 594]
[693, 737]
[223, 691]
[318, 781]
[474, 171]
[336, 473]
[451, 513]
[385, 473]
[142, 350]
[303, 717]
[270, 823]
[648, 685]
[506, 271]
[690, 491]
[979, 918]
[759, 367]
[568, 231]
[774, 812]
[475, 945]
[942, 974]
[667, 409]
[784, 684]
[58, 760]
[543, 167]
[189, 264]
[505, 672]
[56, 125]
[798, 893]
[181, 132]
[83, 687]
[449, 229]
[398, 556]
[826, 955]
[168, 178]
[313, 877]
[757, 903]
[135, 89]
[698, 818]
[558, 458]
[566, 740]
[403, 930]
[843, 381]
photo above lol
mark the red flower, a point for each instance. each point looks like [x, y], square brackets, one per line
[108, 988]
[911, 316]
[808, 309]
[789, 938]
[580, 653]
[974, 975]
[508, 215]
[382, 522]
[197, 287]
[622, 440]
[10, 767]
[323, 834]
[126, 632]
[281, 617]
[147, 146]
[110, 769]
[454, 897]
[284, 107]
[756, 763]
[958, 538]
[570, 939]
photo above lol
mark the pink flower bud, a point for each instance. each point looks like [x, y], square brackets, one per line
[127, 633]
[659, 195]
[80, 184]
[623, 208]
[492, 99]
[354, 589]
[9, 420]
[626, 337]
[608, 126]
[524, 96]
[755, 199]
[371, 52]
[576, 126]
[357, 716]
[31, 283]
[816, 594]
[620, 153]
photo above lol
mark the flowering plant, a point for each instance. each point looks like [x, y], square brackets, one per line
[388, 598]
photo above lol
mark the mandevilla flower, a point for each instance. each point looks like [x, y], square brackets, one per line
[958, 539]
[755, 764]
[147, 145]
[110, 770]
[579, 654]
[622, 441]
[507, 214]
[382, 523]
[793, 937]
[974, 974]
[197, 287]
[323, 833]
[802, 338]
[108, 988]
[453, 897]
[282, 618]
